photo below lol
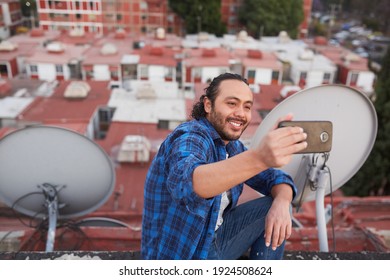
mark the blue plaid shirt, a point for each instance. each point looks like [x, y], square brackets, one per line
[177, 223]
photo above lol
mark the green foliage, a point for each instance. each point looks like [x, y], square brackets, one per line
[269, 17]
[374, 177]
[319, 29]
[200, 15]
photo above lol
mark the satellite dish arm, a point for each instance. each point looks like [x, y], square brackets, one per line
[51, 203]
[52, 208]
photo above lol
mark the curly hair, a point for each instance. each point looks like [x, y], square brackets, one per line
[211, 93]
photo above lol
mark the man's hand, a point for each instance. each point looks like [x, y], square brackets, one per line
[278, 221]
[278, 146]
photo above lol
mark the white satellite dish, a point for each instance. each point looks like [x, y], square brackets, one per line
[55, 173]
[354, 131]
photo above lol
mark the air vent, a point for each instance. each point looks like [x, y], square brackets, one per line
[7, 46]
[77, 89]
[146, 91]
[108, 49]
[203, 36]
[134, 148]
[351, 57]
[286, 91]
[283, 37]
[242, 36]
[55, 47]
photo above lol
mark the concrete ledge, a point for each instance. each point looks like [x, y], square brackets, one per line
[106, 255]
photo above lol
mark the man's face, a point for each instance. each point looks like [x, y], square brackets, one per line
[231, 112]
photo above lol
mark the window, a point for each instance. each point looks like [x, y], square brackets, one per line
[143, 71]
[275, 75]
[163, 124]
[232, 19]
[119, 17]
[59, 68]
[251, 74]
[78, 16]
[197, 72]
[114, 75]
[33, 69]
[169, 72]
[354, 78]
[326, 78]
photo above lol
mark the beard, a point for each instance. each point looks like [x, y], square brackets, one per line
[221, 123]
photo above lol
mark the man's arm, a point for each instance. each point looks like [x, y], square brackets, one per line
[278, 221]
[275, 150]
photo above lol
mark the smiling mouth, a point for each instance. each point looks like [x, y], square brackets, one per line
[236, 123]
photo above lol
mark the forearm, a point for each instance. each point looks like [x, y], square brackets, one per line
[282, 192]
[212, 179]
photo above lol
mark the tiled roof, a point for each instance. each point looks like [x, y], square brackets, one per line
[57, 107]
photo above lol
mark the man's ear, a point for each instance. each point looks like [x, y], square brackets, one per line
[207, 105]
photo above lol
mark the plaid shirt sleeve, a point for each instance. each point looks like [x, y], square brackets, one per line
[265, 180]
[187, 153]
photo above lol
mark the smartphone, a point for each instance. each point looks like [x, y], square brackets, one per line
[319, 135]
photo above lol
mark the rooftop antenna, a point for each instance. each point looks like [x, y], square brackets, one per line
[53, 173]
[354, 131]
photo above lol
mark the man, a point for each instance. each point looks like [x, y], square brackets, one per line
[195, 180]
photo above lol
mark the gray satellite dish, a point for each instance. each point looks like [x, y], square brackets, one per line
[55, 173]
[354, 131]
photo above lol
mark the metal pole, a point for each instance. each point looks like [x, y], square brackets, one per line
[323, 180]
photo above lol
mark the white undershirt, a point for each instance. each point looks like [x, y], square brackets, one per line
[225, 200]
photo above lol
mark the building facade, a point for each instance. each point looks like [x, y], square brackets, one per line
[103, 16]
[10, 17]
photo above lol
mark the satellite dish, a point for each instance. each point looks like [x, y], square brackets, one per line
[354, 131]
[53, 172]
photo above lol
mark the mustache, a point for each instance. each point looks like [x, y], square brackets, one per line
[243, 120]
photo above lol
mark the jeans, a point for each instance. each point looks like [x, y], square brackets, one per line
[243, 228]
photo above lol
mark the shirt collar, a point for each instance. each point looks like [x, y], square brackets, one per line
[213, 133]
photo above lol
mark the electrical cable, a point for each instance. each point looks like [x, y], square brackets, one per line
[17, 214]
[331, 211]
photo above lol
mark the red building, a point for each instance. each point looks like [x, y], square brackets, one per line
[135, 16]
[229, 14]
[304, 28]
[102, 16]
[10, 17]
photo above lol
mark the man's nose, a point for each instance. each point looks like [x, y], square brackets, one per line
[240, 111]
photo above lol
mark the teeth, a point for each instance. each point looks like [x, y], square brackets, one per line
[235, 124]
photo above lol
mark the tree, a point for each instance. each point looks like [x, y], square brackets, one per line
[200, 15]
[269, 17]
[374, 176]
[374, 12]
